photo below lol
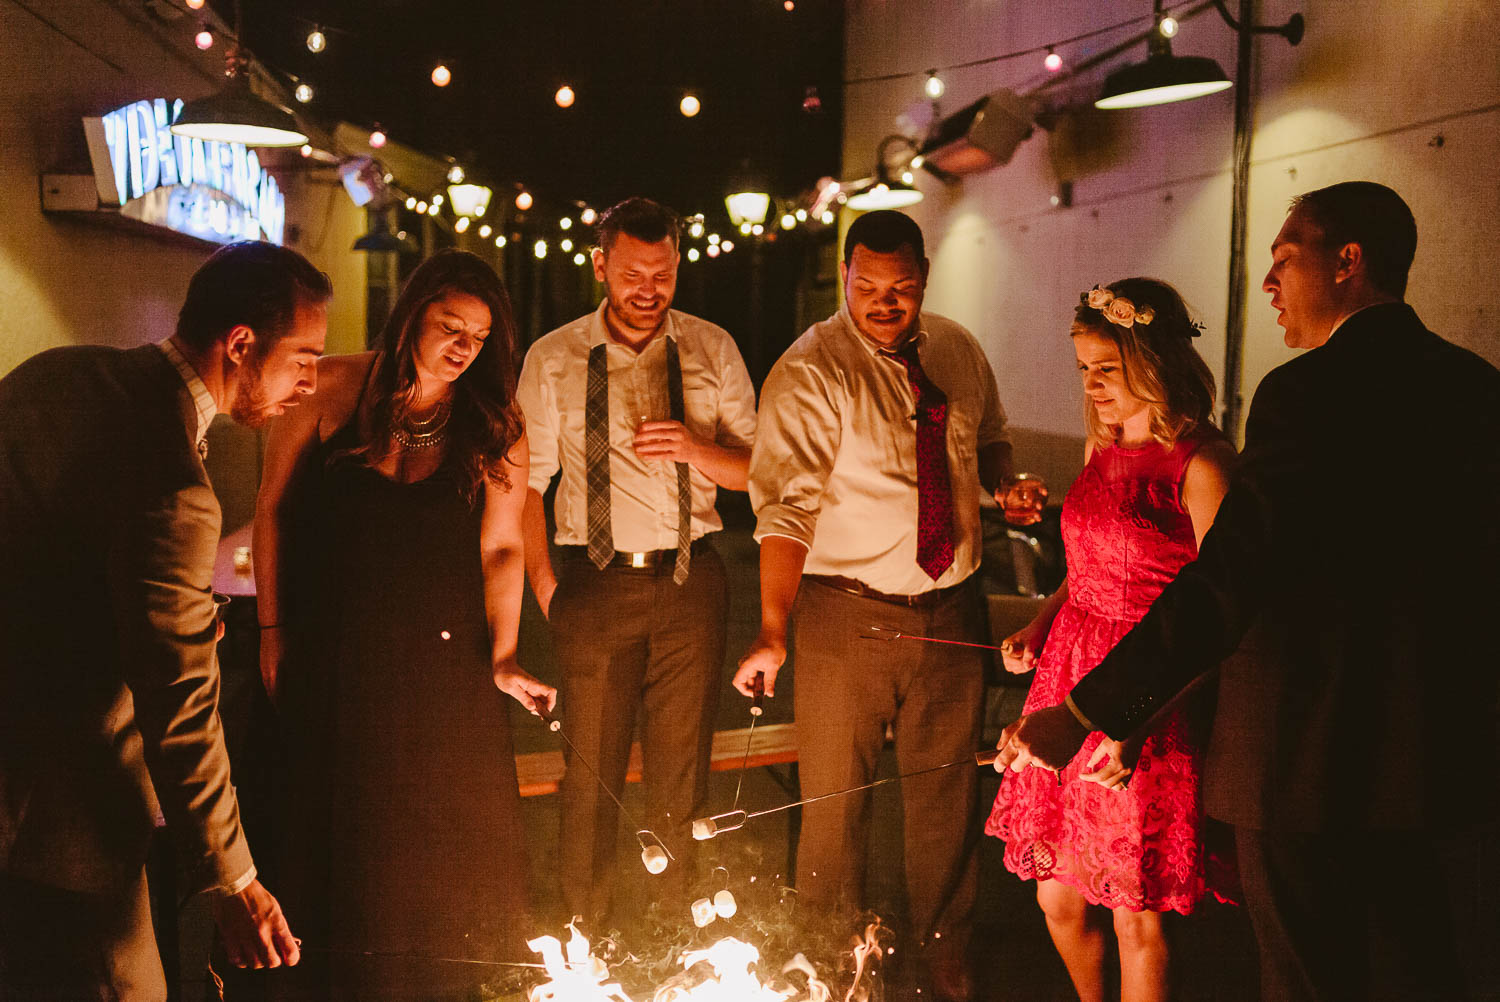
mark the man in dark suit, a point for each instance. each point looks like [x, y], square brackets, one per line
[1357, 696]
[109, 682]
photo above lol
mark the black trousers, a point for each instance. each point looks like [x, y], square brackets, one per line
[1351, 916]
[631, 641]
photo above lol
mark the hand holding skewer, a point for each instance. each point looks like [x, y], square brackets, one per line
[764, 658]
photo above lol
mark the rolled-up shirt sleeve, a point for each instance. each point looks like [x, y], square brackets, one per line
[538, 404]
[796, 444]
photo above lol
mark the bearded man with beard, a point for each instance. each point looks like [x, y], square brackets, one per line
[646, 411]
[109, 681]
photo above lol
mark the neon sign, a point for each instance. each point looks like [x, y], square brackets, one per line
[210, 190]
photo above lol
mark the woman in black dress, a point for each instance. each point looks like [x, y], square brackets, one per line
[389, 563]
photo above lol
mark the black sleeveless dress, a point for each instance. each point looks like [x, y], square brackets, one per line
[405, 833]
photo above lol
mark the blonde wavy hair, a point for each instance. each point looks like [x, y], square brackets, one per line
[1158, 360]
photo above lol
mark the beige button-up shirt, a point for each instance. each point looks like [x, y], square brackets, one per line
[718, 404]
[203, 401]
[835, 459]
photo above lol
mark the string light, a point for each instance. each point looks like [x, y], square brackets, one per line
[441, 75]
[827, 217]
[461, 224]
[565, 223]
[713, 238]
[934, 85]
[744, 229]
[1168, 27]
[432, 209]
[500, 241]
[455, 174]
[788, 5]
[588, 216]
[788, 221]
[917, 161]
[578, 259]
[713, 250]
[377, 138]
[306, 150]
[411, 202]
[194, 4]
[908, 178]
[1053, 62]
[422, 208]
[303, 93]
[523, 200]
[204, 39]
[801, 215]
[539, 249]
[689, 106]
[566, 245]
[564, 96]
[692, 254]
[757, 229]
[695, 230]
[727, 246]
[485, 231]
[316, 40]
[437, 199]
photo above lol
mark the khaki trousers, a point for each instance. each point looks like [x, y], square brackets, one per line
[630, 641]
[848, 690]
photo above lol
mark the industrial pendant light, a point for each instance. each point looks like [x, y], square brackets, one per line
[234, 114]
[1163, 77]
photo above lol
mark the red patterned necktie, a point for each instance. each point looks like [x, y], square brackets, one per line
[934, 491]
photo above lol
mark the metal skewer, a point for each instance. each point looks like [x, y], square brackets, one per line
[757, 707]
[707, 828]
[886, 633]
[344, 951]
[654, 852]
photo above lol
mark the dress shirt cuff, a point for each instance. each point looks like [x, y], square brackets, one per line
[235, 886]
[785, 520]
[1078, 714]
[761, 537]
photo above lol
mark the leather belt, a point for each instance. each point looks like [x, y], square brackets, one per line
[645, 560]
[921, 600]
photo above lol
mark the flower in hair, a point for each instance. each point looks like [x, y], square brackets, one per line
[1117, 309]
[1097, 298]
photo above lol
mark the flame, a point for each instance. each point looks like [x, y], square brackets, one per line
[731, 981]
[862, 953]
[580, 977]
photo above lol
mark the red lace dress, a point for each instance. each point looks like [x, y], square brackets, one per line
[1126, 534]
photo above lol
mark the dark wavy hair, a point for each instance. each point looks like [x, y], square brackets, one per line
[1160, 364]
[486, 421]
[249, 282]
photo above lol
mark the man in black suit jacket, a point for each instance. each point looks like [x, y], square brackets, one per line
[109, 682]
[1347, 586]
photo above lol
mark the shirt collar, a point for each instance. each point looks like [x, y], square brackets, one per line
[870, 346]
[598, 330]
[203, 401]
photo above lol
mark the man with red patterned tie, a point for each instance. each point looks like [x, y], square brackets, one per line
[876, 431]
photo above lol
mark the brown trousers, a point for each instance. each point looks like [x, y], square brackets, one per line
[73, 947]
[629, 640]
[848, 690]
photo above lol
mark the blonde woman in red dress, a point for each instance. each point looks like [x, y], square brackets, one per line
[1120, 828]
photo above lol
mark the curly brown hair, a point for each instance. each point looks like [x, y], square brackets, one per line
[1160, 364]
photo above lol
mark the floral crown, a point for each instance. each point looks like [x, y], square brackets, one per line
[1121, 311]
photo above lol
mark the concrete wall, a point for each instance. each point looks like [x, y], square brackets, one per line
[1365, 95]
[66, 280]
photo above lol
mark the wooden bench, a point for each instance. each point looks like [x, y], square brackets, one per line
[773, 744]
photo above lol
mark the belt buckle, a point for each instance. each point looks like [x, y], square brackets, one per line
[638, 560]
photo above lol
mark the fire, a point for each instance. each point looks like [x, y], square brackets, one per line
[580, 977]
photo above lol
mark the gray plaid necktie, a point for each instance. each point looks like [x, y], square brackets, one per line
[596, 455]
[684, 489]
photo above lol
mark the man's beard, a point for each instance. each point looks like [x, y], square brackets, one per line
[250, 408]
[633, 317]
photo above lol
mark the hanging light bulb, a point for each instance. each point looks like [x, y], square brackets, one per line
[713, 238]
[801, 215]
[565, 223]
[377, 138]
[204, 39]
[689, 106]
[306, 150]
[588, 216]
[455, 174]
[411, 202]
[564, 96]
[500, 240]
[1053, 62]
[441, 75]
[788, 221]
[745, 229]
[316, 40]
[539, 249]
[695, 229]
[485, 231]
[565, 244]
[422, 208]
[194, 4]
[303, 93]
[692, 254]
[578, 259]
[934, 85]
[713, 250]
[727, 246]
[757, 229]
[437, 199]
[827, 217]
[788, 5]
[432, 209]
[523, 200]
[461, 224]
[1167, 26]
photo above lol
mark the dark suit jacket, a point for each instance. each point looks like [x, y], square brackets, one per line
[108, 678]
[1348, 586]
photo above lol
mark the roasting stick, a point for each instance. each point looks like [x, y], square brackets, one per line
[654, 852]
[707, 828]
[757, 707]
[888, 634]
[393, 955]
